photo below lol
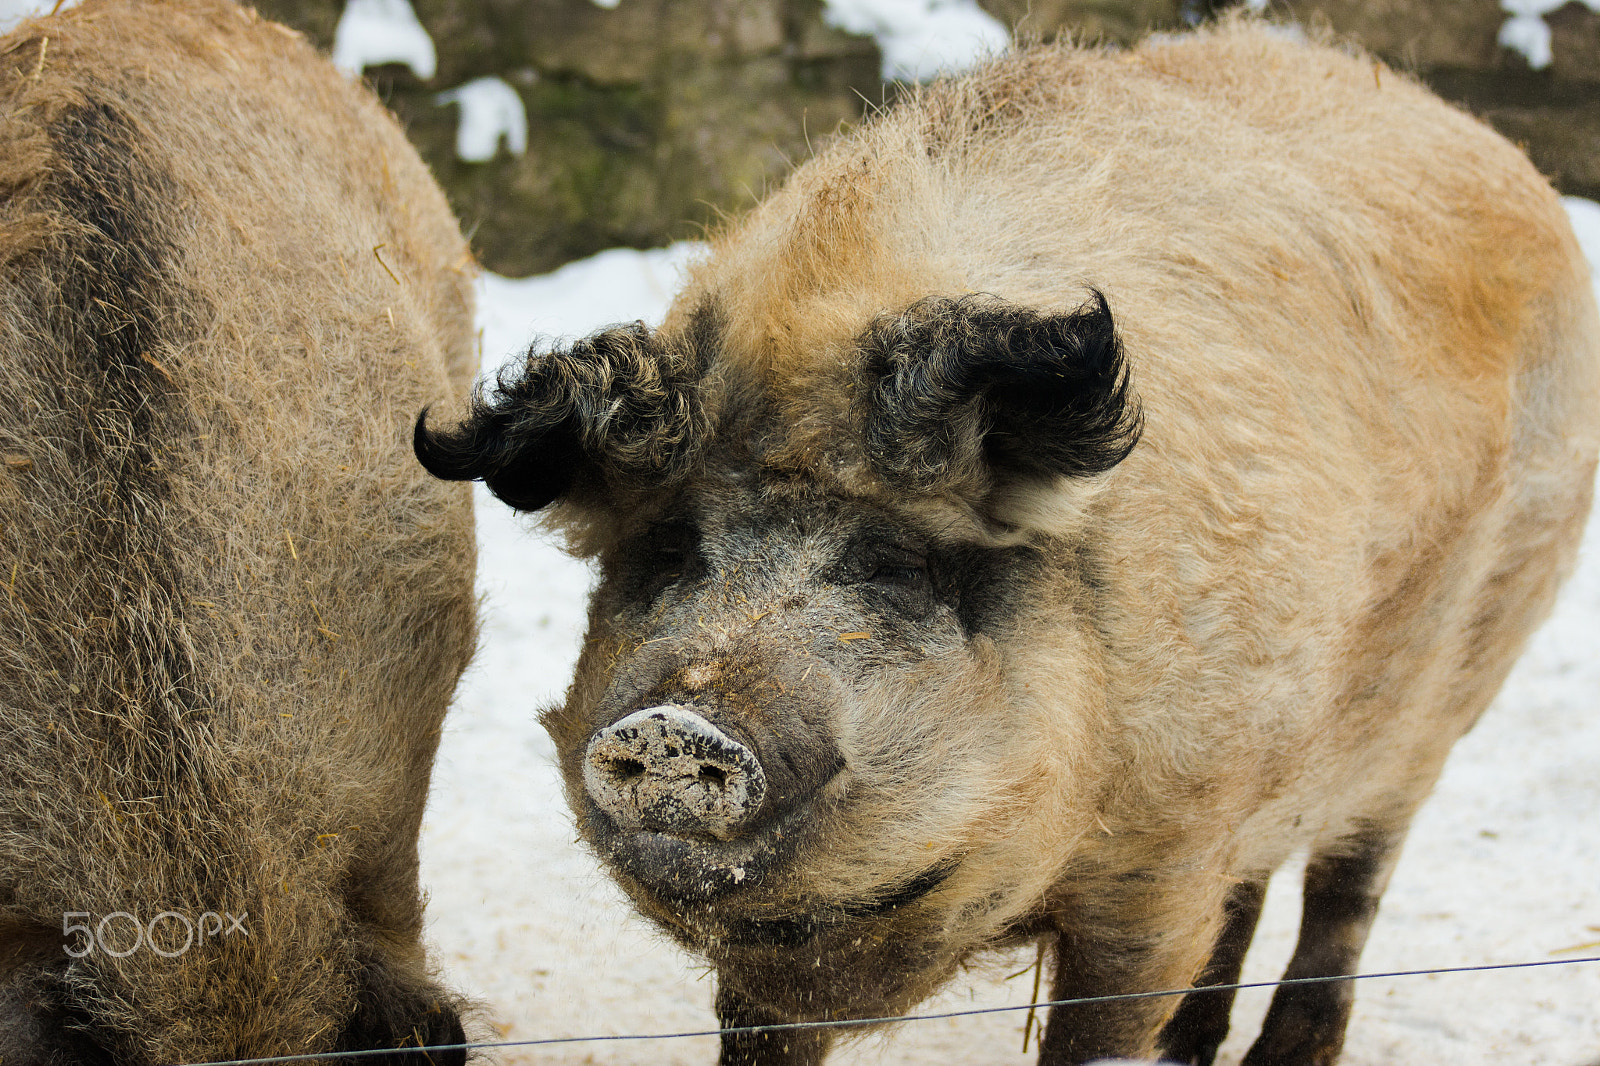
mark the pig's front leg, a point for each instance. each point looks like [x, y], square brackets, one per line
[1144, 934]
[786, 1047]
[1195, 1032]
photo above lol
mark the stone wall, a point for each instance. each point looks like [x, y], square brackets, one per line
[1453, 45]
[644, 120]
[649, 118]
[1554, 112]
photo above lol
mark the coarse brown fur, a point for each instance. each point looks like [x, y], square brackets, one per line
[1045, 693]
[234, 610]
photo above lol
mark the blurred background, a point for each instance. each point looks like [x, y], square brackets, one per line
[563, 127]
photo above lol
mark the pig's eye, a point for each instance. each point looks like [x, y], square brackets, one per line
[671, 549]
[893, 577]
[899, 567]
[665, 555]
[891, 574]
[898, 574]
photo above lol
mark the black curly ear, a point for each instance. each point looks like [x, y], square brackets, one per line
[528, 458]
[617, 410]
[963, 393]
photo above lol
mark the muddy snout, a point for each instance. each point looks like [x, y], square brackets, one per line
[668, 770]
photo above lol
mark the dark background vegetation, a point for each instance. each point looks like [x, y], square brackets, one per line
[649, 120]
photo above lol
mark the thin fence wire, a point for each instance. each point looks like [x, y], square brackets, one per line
[854, 1023]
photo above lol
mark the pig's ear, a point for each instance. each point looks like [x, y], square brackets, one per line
[966, 395]
[616, 411]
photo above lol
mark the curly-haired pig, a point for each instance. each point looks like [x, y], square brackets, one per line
[233, 608]
[1087, 483]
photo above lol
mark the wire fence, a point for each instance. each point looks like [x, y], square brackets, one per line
[856, 1023]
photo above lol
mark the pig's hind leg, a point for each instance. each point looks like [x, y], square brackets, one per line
[1194, 1033]
[1305, 1025]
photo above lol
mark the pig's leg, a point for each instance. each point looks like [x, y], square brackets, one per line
[1118, 938]
[1198, 1028]
[787, 1047]
[1306, 1023]
[1085, 1032]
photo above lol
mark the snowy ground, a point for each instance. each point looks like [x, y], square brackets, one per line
[1503, 865]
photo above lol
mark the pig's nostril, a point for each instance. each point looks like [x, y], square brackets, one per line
[627, 767]
[668, 770]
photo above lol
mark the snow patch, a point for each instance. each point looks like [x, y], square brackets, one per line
[490, 110]
[1529, 35]
[1585, 216]
[374, 32]
[921, 39]
[619, 285]
[1526, 30]
[14, 11]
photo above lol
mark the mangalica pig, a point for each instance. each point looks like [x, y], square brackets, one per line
[1082, 486]
[234, 610]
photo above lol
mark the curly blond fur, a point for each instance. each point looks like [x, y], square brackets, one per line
[234, 609]
[1045, 693]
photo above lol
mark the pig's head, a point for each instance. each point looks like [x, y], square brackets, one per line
[818, 718]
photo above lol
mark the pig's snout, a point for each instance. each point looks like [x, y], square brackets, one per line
[668, 770]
